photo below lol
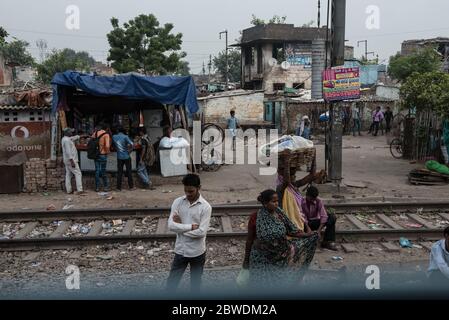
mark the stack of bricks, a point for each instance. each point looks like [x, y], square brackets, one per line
[55, 174]
[43, 175]
[35, 175]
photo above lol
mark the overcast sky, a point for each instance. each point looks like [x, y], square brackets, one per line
[200, 21]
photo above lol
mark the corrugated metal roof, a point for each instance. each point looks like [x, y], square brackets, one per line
[20, 108]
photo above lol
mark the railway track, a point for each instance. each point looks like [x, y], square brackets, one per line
[423, 221]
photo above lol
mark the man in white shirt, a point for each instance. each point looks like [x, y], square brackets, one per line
[438, 271]
[189, 219]
[70, 157]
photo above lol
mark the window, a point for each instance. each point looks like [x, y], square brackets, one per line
[268, 114]
[259, 60]
[278, 86]
[249, 57]
[39, 116]
[298, 85]
[278, 52]
[32, 116]
[15, 116]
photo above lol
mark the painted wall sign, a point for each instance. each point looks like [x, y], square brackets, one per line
[296, 55]
[33, 138]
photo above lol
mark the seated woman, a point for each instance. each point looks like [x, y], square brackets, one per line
[277, 253]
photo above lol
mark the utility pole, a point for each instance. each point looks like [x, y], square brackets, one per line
[227, 65]
[366, 48]
[209, 65]
[335, 137]
[319, 13]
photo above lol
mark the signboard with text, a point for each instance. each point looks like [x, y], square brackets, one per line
[341, 84]
[296, 55]
[33, 138]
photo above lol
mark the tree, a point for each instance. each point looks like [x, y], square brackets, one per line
[142, 45]
[233, 63]
[308, 24]
[401, 67]
[63, 60]
[427, 92]
[276, 19]
[14, 52]
[183, 69]
[3, 35]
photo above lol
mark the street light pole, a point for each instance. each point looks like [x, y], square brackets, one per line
[227, 65]
[366, 48]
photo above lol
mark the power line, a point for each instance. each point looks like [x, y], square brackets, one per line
[399, 33]
[89, 36]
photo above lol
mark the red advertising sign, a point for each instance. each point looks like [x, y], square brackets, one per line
[33, 138]
[341, 84]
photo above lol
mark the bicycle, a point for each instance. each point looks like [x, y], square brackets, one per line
[397, 148]
[211, 161]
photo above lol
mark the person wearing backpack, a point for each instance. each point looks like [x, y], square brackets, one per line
[103, 148]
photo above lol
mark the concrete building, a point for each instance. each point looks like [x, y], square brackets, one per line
[440, 44]
[369, 74]
[279, 56]
[388, 92]
[6, 74]
[248, 106]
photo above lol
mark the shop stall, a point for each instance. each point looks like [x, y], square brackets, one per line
[130, 101]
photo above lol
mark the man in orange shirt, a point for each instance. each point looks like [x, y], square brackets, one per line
[101, 161]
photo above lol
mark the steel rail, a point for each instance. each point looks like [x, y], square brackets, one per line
[232, 210]
[342, 236]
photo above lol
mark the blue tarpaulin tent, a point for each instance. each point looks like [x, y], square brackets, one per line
[162, 89]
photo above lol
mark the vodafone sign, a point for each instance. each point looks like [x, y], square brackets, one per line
[24, 130]
[33, 138]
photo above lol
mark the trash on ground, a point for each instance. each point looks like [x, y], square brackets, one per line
[103, 194]
[414, 225]
[110, 198]
[68, 206]
[405, 243]
[337, 258]
[117, 222]
[51, 207]
[84, 230]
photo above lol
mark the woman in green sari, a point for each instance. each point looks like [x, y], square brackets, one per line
[277, 253]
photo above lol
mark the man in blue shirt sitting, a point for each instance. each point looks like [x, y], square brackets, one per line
[123, 145]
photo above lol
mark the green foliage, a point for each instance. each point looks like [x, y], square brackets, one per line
[308, 24]
[276, 19]
[3, 35]
[143, 45]
[183, 69]
[427, 92]
[63, 60]
[233, 63]
[15, 52]
[402, 67]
